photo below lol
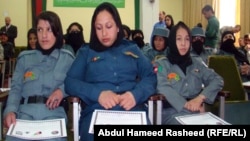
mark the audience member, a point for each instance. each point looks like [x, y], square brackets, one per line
[104, 73]
[8, 49]
[74, 36]
[138, 38]
[159, 44]
[169, 21]
[37, 88]
[32, 39]
[242, 45]
[198, 49]
[127, 31]
[180, 78]
[234, 29]
[227, 47]
[160, 23]
[212, 29]
[10, 29]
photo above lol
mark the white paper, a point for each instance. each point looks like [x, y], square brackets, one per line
[111, 117]
[38, 129]
[246, 83]
[206, 118]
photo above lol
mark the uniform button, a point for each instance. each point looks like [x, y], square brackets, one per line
[115, 58]
[117, 87]
[186, 84]
[115, 73]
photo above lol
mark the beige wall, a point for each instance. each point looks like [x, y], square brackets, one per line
[83, 16]
[172, 7]
[19, 11]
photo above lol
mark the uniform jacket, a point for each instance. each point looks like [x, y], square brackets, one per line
[178, 87]
[38, 74]
[119, 69]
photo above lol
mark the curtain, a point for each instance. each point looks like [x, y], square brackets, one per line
[192, 12]
[244, 16]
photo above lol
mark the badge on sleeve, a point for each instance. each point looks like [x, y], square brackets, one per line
[29, 74]
[131, 54]
[172, 76]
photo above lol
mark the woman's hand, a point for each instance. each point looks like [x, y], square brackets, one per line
[127, 100]
[54, 99]
[195, 104]
[108, 99]
[9, 119]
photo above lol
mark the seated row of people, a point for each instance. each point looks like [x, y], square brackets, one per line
[108, 73]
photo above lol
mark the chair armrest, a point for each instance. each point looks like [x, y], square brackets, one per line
[156, 97]
[73, 99]
[225, 94]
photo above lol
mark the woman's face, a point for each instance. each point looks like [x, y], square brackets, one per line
[159, 43]
[74, 28]
[182, 41]
[45, 35]
[227, 36]
[106, 28]
[168, 21]
[32, 40]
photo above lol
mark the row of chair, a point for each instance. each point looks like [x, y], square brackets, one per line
[232, 103]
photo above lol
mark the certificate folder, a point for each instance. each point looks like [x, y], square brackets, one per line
[112, 117]
[206, 118]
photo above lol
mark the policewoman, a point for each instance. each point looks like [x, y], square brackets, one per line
[37, 87]
[111, 72]
[180, 78]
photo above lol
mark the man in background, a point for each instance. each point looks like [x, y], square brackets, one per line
[212, 29]
[10, 29]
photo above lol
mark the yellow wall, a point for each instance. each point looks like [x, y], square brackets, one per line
[84, 15]
[20, 13]
[172, 7]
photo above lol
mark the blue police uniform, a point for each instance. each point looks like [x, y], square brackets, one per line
[38, 75]
[119, 69]
[178, 87]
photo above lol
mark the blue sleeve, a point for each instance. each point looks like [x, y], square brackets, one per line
[75, 84]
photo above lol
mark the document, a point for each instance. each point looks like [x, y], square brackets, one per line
[206, 118]
[246, 83]
[112, 117]
[38, 129]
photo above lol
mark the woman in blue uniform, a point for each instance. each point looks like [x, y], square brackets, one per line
[37, 87]
[110, 72]
[184, 81]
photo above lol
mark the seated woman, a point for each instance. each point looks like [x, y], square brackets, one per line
[104, 73]
[180, 78]
[159, 44]
[31, 39]
[227, 47]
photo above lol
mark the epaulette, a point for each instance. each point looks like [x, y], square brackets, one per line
[67, 52]
[26, 52]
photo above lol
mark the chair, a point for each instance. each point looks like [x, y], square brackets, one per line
[235, 108]
[2, 66]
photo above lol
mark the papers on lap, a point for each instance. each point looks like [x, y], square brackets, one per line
[206, 118]
[38, 129]
[111, 117]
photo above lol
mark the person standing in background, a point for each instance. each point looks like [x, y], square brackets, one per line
[212, 29]
[10, 29]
